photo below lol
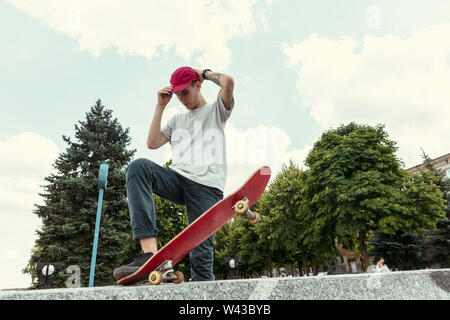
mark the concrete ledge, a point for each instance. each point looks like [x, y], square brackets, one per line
[405, 285]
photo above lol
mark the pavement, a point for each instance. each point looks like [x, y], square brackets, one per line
[402, 285]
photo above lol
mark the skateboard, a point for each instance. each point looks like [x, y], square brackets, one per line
[159, 268]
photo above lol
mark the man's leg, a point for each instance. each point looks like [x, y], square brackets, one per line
[144, 178]
[149, 244]
[200, 198]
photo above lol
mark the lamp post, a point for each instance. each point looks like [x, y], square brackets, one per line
[45, 273]
[233, 264]
[102, 181]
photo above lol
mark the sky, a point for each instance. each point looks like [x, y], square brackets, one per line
[299, 67]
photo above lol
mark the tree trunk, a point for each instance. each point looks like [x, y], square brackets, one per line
[305, 266]
[363, 251]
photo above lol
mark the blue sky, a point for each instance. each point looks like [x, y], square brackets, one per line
[300, 67]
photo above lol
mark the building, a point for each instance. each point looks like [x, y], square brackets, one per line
[441, 163]
[347, 262]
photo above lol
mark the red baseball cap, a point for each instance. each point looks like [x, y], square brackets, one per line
[182, 78]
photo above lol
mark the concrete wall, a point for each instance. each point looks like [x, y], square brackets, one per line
[424, 284]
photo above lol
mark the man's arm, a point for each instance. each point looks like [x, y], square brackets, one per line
[155, 137]
[225, 82]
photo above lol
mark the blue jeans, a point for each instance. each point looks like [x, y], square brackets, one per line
[144, 177]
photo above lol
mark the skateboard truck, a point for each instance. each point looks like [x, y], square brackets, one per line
[165, 273]
[242, 208]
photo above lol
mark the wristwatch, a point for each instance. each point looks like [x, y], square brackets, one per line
[204, 71]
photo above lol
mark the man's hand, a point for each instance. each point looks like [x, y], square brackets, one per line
[164, 96]
[199, 73]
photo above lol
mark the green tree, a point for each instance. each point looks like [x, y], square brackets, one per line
[238, 238]
[439, 244]
[355, 186]
[401, 250]
[281, 206]
[70, 197]
[279, 238]
[273, 241]
[222, 249]
[284, 228]
[439, 239]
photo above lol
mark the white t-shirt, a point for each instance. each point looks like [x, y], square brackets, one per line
[384, 268]
[198, 143]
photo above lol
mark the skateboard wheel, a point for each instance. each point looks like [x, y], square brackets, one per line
[241, 207]
[256, 219]
[180, 277]
[155, 277]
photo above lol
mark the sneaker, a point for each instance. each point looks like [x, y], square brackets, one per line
[137, 261]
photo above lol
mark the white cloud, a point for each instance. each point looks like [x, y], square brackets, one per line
[262, 145]
[149, 28]
[25, 154]
[24, 162]
[400, 82]
[248, 150]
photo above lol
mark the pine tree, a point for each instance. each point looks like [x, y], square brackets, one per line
[402, 250]
[71, 195]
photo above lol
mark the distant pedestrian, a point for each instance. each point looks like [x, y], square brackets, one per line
[381, 266]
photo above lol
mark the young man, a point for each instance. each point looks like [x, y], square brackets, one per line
[196, 177]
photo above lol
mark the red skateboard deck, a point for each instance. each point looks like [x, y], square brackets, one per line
[203, 227]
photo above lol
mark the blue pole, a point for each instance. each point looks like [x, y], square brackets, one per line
[97, 230]
[102, 182]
